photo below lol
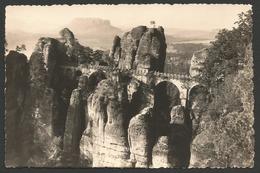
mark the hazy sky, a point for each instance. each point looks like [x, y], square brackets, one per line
[201, 17]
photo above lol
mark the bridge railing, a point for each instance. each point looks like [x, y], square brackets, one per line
[172, 75]
[139, 72]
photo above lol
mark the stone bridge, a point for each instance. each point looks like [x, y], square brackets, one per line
[183, 82]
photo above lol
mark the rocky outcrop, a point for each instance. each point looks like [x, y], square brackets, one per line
[151, 50]
[75, 125]
[46, 146]
[17, 75]
[97, 119]
[47, 101]
[109, 125]
[172, 150]
[166, 96]
[86, 147]
[141, 47]
[140, 96]
[129, 45]
[198, 63]
[140, 138]
[115, 52]
[198, 105]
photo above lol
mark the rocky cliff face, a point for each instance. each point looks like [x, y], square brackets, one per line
[99, 120]
[197, 63]
[74, 127]
[109, 122]
[116, 50]
[63, 110]
[43, 88]
[143, 48]
[17, 84]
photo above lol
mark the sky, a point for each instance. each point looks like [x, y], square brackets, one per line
[189, 16]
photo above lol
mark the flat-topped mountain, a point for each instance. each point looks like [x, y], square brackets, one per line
[99, 34]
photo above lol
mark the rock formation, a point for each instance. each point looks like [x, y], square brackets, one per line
[16, 89]
[140, 138]
[45, 145]
[152, 50]
[75, 125]
[171, 150]
[143, 48]
[109, 122]
[116, 50]
[78, 111]
[141, 102]
[197, 63]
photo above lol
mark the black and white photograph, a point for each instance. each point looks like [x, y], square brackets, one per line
[129, 86]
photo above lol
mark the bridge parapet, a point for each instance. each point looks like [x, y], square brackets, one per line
[87, 69]
[172, 76]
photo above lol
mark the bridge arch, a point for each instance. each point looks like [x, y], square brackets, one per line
[166, 95]
[167, 90]
[177, 83]
[198, 97]
[195, 87]
[94, 78]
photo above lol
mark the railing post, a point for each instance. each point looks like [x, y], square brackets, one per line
[184, 97]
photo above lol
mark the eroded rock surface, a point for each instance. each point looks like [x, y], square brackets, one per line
[17, 83]
[151, 50]
[198, 63]
[116, 50]
[141, 47]
[75, 125]
[172, 150]
[109, 125]
[76, 113]
[140, 138]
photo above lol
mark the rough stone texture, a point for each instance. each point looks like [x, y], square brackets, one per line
[75, 125]
[76, 53]
[139, 137]
[17, 74]
[44, 78]
[115, 52]
[129, 46]
[88, 86]
[45, 73]
[46, 146]
[197, 63]
[86, 147]
[141, 101]
[172, 150]
[166, 95]
[116, 119]
[151, 50]
[116, 112]
[161, 152]
[67, 35]
[143, 48]
[86, 143]
[198, 105]
[47, 102]
[140, 96]
[109, 134]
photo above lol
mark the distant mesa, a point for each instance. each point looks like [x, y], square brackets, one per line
[93, 27]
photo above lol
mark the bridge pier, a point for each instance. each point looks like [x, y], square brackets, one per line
[184, 97]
